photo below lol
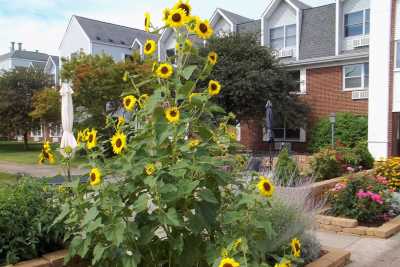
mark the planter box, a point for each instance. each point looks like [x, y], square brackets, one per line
[351, 226]
[332, 258]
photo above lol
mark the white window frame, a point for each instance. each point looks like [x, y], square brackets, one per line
[41, 132]
[301, 139]
[362, 77]
[284, 35]
[364, 22]
[302, 82]
[51, 132]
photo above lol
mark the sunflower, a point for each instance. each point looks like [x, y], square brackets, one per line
[150, 169]
[232, 133]
[284, 263]
[150, 47]
[80, 137]
[46, 155]
[214, 87]
[118, 142]
[177, 18]
[85, 135]
[91, 139]
[172, 114]
[228, 262]
[120, 122]
[164, 71]
[212, 58]
[129, 102]
[143, 99]
[203, 29]
[147, 21]
[184, 6]
[191, 24]
[265, 187]
[296, 247]
[95, 177]
[166, 12]
[193, 143]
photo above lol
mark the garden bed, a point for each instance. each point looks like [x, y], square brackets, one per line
[331, 257]
[351, 226]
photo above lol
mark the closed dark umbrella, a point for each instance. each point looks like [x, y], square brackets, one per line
[269, 119]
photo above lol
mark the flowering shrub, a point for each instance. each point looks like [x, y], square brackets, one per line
[365, 198]
[390, 169]
[326, 164]
[170, 200]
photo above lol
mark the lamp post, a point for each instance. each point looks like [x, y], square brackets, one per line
[332, 120]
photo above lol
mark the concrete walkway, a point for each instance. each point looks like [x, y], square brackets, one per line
[36, 170]
[365, 251]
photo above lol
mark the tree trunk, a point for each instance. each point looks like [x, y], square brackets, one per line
[26, 146]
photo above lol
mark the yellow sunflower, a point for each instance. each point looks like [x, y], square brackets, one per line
[177, 18]
[165, 17]
[129, 102]
[185, 6]
[172, 114]
[284, 263]
[214, 87]
[193, 143]
[95, 177]
[91, 139]
[212, 58]
[191, 24]
[121, 121]
[118, 142]
[150, 47]
[164, 71]
[85, 134]
[147, 21]
[265, 187]
[80, 137]
[228, 262]
[296, 247]
[143, 99]
[203, 29]
[46, 155]
[150, 169]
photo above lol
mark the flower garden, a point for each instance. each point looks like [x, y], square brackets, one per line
[167, 185]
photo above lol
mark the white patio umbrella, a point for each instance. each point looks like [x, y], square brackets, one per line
[67, 118]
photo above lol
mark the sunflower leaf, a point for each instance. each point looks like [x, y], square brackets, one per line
[188, 71]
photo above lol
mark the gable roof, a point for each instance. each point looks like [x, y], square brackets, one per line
[300, 4]
[297, 4]
[113, 34]
[23, 54]
[233, 17]
[38, 65]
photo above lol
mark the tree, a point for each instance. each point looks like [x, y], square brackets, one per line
[250, 76]
[46, 105]
[16, 90]
[97, 83]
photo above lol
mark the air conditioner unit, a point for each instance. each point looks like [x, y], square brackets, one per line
[282, 53]
[357, 95]
[361, 42]
[280, 145]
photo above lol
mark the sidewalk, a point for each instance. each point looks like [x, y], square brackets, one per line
[365, 251]
[36, 170]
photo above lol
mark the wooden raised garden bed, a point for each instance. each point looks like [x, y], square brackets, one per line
[332, 257]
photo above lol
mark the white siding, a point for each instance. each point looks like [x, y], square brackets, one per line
[118, 53]
[169, 42]
[74, 40]
[350, 6]
[396, 78]
[222, 26]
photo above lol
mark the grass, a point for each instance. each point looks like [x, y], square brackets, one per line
[6, 178]
[16, 153]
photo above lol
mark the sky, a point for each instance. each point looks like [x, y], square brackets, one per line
[41, 24]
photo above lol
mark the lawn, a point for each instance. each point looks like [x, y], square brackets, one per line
[6, 178]
[15, 152]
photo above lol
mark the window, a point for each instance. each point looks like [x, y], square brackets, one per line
[55, 131]
[356, 23]
[282, 37]
[356, 76]
[295, 75]
[37, 132]
[171, 55]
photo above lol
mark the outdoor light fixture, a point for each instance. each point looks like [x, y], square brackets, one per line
[332, 120]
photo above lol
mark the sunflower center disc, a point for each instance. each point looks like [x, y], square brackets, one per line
[93, 177]
[267, 187]
[176, 17]
[118, 143]
[203, 28]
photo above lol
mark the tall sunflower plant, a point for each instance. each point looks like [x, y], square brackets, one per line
[173, 194]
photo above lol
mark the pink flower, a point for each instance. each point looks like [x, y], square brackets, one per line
[339, 187]
[382, 180]
[377, 198]
[361, 194]
[350, 169]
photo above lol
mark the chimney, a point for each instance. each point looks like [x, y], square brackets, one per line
[19, 46]
[37, 51]
[12, 49]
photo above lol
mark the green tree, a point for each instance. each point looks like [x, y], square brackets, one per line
[17, 88]
[250, 76]
[97, 84]
[46, 105]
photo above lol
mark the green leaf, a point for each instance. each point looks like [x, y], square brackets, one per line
[97, 253]
[188, 71]
[94, 225]
[207, 195]
[90, 215]
[128, 261]
[141, 203]
[216, 109]
[185, 187]
[116, 233]
[170, 218]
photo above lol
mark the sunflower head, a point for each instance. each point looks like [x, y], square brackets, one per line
[172, 114]
[284, 263]
[203, 29]
[212, 58]
[191, 24]
[150, 169]
[91, 139]
[147, 21]
[95, 177]
[185, 6]
[177, 18]
[143, 99]
[118, 142]
[165, 17]
[296, 247]
[85, 134]
[193, 143]
[120, 122]
[265, 187]
[228, 262]
[164, 71]
[129, 102]
[150, 47]
[214, 87]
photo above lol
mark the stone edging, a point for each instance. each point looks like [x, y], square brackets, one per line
[350, 226]
[333, 258]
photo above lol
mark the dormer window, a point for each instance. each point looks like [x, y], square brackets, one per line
[357, 23]
[283, 37]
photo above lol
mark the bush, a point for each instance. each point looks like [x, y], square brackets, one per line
[286, 170]
[365, 198]
[326, 164]
[27, 211]
[390, 169]
[350, 129]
